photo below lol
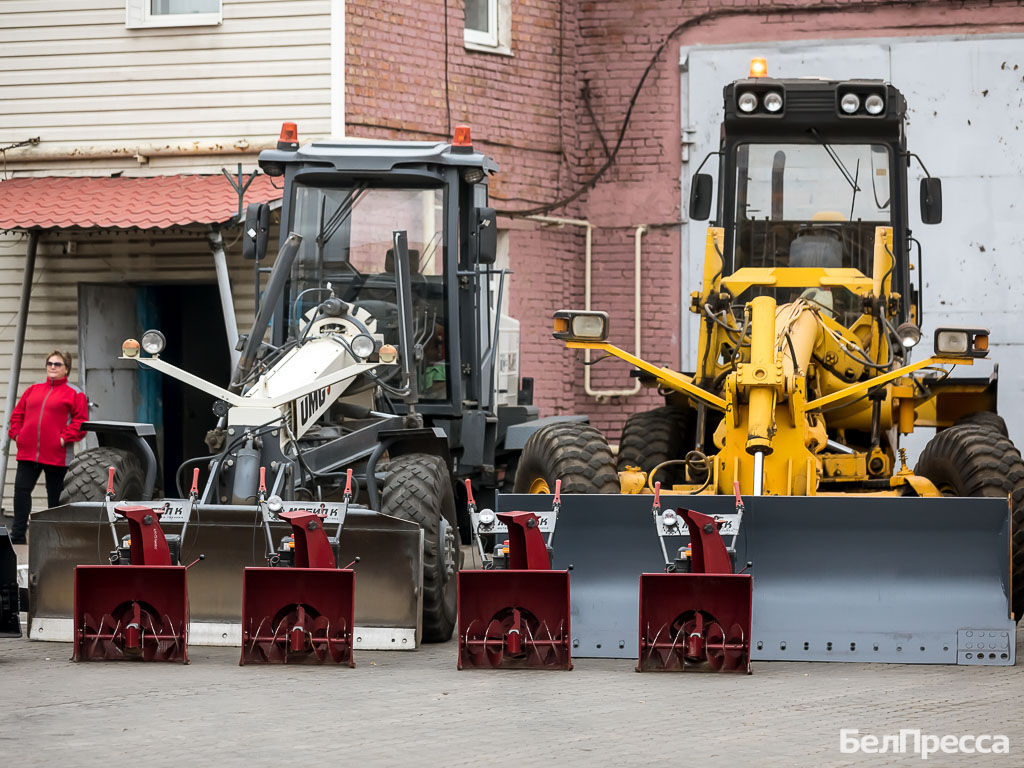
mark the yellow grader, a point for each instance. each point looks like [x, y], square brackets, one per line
[804, 385]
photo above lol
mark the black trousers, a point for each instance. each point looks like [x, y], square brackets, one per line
[24, 483]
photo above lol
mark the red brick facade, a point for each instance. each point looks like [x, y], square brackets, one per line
[548, 113]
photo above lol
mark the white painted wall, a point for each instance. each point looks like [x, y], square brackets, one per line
[965, 98]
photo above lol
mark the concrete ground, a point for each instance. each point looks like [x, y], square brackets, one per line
[415, 708]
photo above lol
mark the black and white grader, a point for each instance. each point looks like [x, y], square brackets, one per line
[388, 378]
[786, 437]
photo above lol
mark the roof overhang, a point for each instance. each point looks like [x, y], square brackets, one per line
[150, 202]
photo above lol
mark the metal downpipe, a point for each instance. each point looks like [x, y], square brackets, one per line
[17, 351]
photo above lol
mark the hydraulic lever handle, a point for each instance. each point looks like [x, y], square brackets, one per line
[110, 482]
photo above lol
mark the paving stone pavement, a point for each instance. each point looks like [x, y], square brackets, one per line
[415, 708]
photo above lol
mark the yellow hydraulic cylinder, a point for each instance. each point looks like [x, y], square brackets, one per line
[762, 376]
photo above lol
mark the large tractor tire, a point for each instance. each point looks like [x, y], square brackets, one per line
[86, 478]
[986, 419]
[976, 460]
[652, 437]
[419, 489]
[575, 453]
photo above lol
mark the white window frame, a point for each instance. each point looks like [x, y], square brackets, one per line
[138, 16]
[498, 37]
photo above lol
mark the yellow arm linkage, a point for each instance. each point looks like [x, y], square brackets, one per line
[864, 386]
[670, 378]
[798, 277]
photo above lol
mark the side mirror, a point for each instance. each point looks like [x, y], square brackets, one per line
[257, 231]
[701, 191]
[485, 231]
[931, 201]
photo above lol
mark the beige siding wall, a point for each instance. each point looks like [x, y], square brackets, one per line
[74, 76]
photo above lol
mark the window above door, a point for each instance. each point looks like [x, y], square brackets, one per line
[143, 14]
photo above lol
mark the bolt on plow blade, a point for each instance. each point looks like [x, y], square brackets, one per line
[511, 619]
[130, 612]
[297, 616]
[690, 620]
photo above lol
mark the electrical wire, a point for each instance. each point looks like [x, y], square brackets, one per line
[823, 8]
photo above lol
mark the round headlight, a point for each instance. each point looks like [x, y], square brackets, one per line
[773, 101]
[670, 519]
[747, 102]
[486, 518]
[130, 348]
[275, 503]
[388, 354]
[909, 334]
[874, 104]
[362, 346]
[850, 103]
[153, 342]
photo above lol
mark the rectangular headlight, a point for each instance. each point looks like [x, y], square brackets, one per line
[961, 342]
[577, 325]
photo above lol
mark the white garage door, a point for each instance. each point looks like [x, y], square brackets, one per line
[965, 112]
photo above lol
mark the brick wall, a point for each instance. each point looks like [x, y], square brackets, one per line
[550, 114]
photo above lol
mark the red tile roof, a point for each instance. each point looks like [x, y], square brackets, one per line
[153, 202]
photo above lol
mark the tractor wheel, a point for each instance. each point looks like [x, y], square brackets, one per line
[987, 419]
[86, 478]
[575, 453]
[976, 460]
[419, 489]
[652, 437]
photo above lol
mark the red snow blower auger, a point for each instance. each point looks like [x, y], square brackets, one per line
[301, 609]
[514, 614]
[136, 607]
[698, 613]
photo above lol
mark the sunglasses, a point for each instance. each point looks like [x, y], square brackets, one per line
[54, 365]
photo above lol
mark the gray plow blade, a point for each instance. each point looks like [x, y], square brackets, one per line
[389, 575]
[836, 578]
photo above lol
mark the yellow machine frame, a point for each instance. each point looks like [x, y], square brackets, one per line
[773, 437]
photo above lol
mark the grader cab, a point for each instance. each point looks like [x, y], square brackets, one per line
[805, 381]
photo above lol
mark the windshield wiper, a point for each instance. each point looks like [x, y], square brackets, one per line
[836, 159]
[329, 227]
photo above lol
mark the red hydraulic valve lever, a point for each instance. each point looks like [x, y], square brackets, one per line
[470, 501]
[263, 483]
[110, 483]
[194, 492]
[348, 486]
[657, 497]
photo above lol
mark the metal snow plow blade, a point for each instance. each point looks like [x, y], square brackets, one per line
[131, 612]
[298, 615]
[388, 595]
[839, 578]
[896, 580]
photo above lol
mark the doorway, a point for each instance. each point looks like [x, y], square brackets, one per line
[189, 316]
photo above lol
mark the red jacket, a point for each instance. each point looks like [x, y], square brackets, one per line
[46, 414]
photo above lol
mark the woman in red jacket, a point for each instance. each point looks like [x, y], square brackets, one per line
[45, 423]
